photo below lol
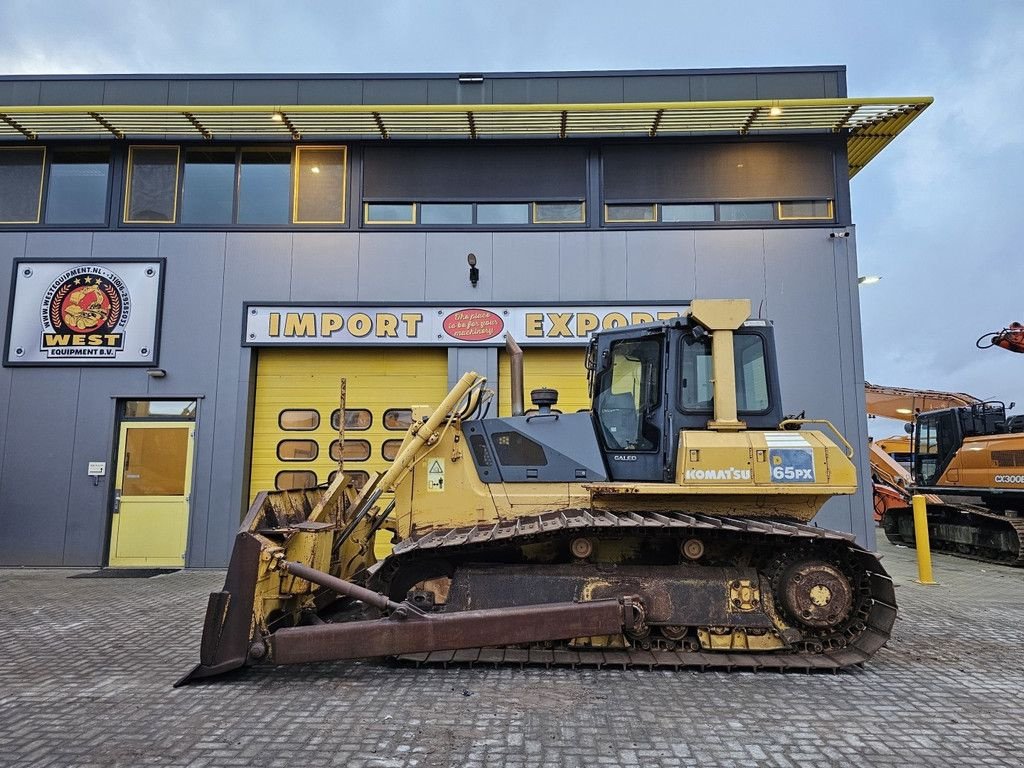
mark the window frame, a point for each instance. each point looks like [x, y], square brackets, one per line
[42, 182]
[277, 448]
[533, 213]
[346, 459]
[769, 390]
[178, 178]
[296, 160]
[389, 222]
[831, 210]
[319, 420]
[277, 485]
[114, 166]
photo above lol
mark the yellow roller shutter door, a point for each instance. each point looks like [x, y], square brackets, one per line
[560, 369]
[297, 391]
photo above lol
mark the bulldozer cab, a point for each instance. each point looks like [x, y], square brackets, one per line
[650, 382]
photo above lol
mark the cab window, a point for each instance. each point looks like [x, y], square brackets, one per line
[697, 392]
[627, 401]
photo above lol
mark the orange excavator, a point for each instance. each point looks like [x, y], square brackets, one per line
[970, 455]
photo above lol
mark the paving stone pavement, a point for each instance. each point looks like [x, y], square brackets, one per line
[86, 667]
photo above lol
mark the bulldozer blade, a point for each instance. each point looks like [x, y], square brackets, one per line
[418, 633]
[226, 629]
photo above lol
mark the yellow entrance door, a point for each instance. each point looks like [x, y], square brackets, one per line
[558, 368]
[151, 494]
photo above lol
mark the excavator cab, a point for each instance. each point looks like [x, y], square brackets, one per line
[939, 436]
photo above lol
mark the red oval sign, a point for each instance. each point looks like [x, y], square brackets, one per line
[473, 325]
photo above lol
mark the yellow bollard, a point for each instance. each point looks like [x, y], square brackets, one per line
[924, 552]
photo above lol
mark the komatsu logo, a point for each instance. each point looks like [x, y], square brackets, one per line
[730, 473]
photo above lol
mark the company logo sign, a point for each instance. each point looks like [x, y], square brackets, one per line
[84, 313]
[103, 312]
[343, 325]
[724, 473]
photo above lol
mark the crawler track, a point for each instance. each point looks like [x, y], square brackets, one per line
[768, 546]
[963, 530]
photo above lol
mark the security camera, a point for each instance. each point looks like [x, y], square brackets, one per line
[843, 233]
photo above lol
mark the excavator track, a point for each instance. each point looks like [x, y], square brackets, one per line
[985, 535]
[770, 547]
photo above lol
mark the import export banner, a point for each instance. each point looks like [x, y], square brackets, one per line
[336, 325]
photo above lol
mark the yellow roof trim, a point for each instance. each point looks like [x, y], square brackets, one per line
[871, 123]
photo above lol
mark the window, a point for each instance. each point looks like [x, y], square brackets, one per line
[356, 419]
[688, 212]
[208, 186]
[77, 188]
[21, 184]
[355, 450]
[806, 209]
[629, 393]
[357, 478]
[389, 449]
[746, 212]
[291, 480]
[631, 213]
[319, 196]
[397, 418]
[390, 213]
[264, 180]
[446, 213]
[558, 213]
[297, 450]
[503, 213]
[160, 409]
[151, 195]
[298, 419]
[697, 390]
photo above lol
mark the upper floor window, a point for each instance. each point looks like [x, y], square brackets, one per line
[474, 214]
[21, 184]
[151, 195]
[76, 190]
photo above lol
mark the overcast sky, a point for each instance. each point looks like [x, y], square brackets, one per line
[938, 214]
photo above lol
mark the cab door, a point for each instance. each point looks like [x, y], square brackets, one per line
[152, 490]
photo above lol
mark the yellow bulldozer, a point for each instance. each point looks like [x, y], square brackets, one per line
[666, 527]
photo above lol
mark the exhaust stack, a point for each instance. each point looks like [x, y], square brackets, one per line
[515, 364]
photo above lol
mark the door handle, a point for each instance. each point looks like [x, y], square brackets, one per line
[117, 502]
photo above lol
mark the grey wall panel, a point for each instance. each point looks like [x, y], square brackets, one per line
[524, 265]
[392, 266]
[325, 266]
[201, 92]
[58, 245]
[816, 346]
[37, 465]
[394, 92]
[660, 266]
[723, 87]
[190, 353]
[589, 89]
[656, 88]
[447, 271]
[125, 245]
[269, 92]
[88, 520]
[591, 266]
[454, 92]
[791, 85]
[257, 267]
[58, 92]
[730, 265]
[12, 246]
[330, 92]
[20, 92]
[136, 92]
[515, 90]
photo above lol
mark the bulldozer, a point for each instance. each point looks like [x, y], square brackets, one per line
[666, 527]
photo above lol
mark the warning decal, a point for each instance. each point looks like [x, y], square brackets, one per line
[435, 475]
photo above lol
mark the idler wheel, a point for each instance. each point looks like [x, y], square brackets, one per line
[816, 594]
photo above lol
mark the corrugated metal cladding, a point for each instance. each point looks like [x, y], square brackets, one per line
[54, 421]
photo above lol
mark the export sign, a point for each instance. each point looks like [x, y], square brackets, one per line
[269, 324]
[79, 313]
